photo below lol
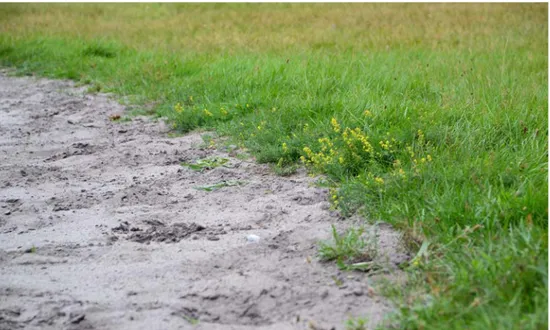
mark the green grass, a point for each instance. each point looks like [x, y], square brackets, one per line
[352, 250]
[202, 165]
[221, 184]
[453, 149]
[356, 324]
[352, 246]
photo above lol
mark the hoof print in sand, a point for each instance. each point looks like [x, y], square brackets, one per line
[158, 232]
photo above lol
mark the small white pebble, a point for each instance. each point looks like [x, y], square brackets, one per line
[253, 238]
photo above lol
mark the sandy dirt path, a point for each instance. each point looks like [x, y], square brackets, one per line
[102, 228]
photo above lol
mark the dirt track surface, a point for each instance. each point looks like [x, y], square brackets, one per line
[102, 228]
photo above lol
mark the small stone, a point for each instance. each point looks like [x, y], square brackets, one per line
[7, 213]
[213, 238]
[253, 238]
[30, 250]
[77, 319]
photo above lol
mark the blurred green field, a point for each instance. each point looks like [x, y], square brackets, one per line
[433, 117]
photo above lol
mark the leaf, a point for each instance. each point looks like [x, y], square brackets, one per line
[220, 185]
[422, 253]
[365, 266]
[207, 164]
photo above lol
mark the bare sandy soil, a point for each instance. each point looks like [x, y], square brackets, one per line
[102, 228]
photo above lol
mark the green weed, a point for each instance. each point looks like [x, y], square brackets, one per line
[219, 185]
[356, 324]
[31, 250]
[202, 165]
[242, 156]
[94, 89]
[284, 169]
[351, 250]
[191, 320]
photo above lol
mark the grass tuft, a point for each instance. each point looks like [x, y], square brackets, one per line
[202, 165]
[99, 51]
[350, 249]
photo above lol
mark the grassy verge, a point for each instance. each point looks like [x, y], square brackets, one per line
[430, 117]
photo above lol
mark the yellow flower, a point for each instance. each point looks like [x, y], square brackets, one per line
[429, 158]
[385, 145]
[420, 136]
[207, 113]
[224, 112]
[367, 113]
[410, 150]
[335, 125]
[402, 173]
[261, 126]
[325, 143]
[378, 180]
[359, 136]
[341, 160]
[178, 108]
[285, 148]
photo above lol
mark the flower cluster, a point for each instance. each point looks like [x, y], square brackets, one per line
[192, 115]
[348, 146]
[377, 164]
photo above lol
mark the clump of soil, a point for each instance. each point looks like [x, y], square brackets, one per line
[158, 232]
